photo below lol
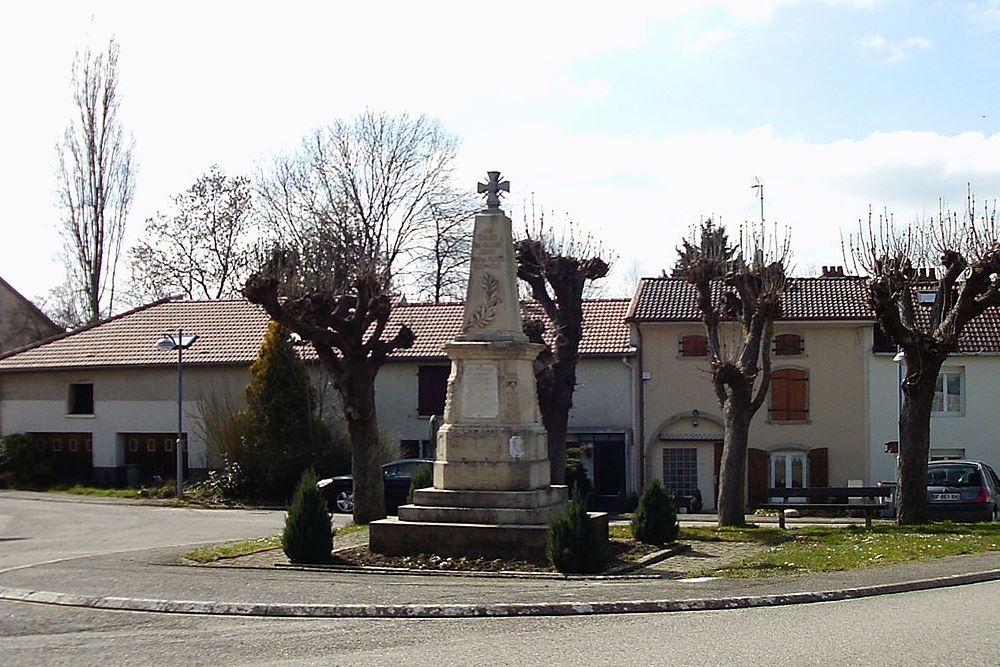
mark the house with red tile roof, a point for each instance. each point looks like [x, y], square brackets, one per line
[103, 397]
[964, 416]
[813, 428]
[832, 406]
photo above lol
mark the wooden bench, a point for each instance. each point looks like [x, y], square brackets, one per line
[818, 498]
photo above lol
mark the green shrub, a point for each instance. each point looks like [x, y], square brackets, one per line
[655, 519]
[576, 474]
[423, 476]
[25, 463]
[308, 535]
[575, 545]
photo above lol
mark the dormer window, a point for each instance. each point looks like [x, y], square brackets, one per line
[693, 346]
[788, 345]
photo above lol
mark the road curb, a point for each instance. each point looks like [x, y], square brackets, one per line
[219, 608]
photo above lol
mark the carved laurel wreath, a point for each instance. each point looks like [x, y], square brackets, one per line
[486, 312]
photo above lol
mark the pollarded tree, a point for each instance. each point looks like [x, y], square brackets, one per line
[739, 297]
[558, 271]
[968, 250]
[202, 249]
[96, 184]
[346, 210]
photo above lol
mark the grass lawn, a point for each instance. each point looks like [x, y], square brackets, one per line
[832, 548]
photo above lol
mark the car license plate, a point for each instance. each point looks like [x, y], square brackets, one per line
[946, 496]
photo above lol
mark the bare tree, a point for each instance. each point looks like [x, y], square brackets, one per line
[203, 249]
[96, 183]
[558, 269]
[739, 297]
[443, 254]
[346, 210]
[968, 282]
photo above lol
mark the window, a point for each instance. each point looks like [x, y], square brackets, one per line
[788, 470]
[948, 393]
[432, 388]
[693, 346]
[81, 399]
[680, 470]
[789, 395]
[788, 345]
[881, 341]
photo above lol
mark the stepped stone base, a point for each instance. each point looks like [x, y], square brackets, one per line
[397, 538]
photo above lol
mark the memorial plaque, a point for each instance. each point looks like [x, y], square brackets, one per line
[480, 390]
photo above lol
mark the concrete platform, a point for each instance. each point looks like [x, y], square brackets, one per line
[396, 538]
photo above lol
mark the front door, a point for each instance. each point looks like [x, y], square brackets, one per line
[608, 451]
[788, 471]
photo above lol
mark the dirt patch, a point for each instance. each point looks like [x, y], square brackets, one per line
[622, 553]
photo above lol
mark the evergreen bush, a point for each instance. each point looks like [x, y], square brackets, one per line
[421, 478]
[281, 433]
[25, 463]
[655, 519]
[575, 545]
[308, 534]
[576, 474]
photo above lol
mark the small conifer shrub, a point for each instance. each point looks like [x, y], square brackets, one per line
[421, 478]
[308, 535]
[575, 546]
[655, 519]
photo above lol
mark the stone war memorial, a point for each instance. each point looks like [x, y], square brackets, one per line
[492, 494]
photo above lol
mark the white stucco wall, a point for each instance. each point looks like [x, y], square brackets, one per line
[974, 431]
[125, 400]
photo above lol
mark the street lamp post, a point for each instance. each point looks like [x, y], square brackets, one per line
[178, 342]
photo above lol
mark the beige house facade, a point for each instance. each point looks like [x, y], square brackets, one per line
[813, 429]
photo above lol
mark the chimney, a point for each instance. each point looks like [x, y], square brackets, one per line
[833, 272]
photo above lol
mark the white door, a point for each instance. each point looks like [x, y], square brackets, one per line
[788, 471]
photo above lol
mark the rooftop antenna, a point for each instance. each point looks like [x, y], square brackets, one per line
[758, 185]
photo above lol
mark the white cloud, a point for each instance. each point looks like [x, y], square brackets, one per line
[711, 39]
[640, 193]
[894, 51]
[594, 90]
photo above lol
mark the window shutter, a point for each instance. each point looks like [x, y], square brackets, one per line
[789, 395]
[788, 344]
[798, 395]
[756, 476]
[819, 466]
[694, 346]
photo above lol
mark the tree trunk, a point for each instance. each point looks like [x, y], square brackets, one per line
[357, 387]
[732, 485]
[915, 438]
[554, 420]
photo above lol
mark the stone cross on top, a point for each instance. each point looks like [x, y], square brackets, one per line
[493, 187]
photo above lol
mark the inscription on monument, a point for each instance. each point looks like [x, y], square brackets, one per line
[480, 390]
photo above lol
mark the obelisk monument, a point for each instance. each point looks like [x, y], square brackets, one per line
[492, 493]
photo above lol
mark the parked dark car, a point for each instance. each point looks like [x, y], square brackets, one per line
[962, 491]
[396, 476]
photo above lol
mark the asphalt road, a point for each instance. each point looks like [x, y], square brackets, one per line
[927, 627]
[43, 538]
[42, 527]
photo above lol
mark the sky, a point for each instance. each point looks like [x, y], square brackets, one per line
[632, 120]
